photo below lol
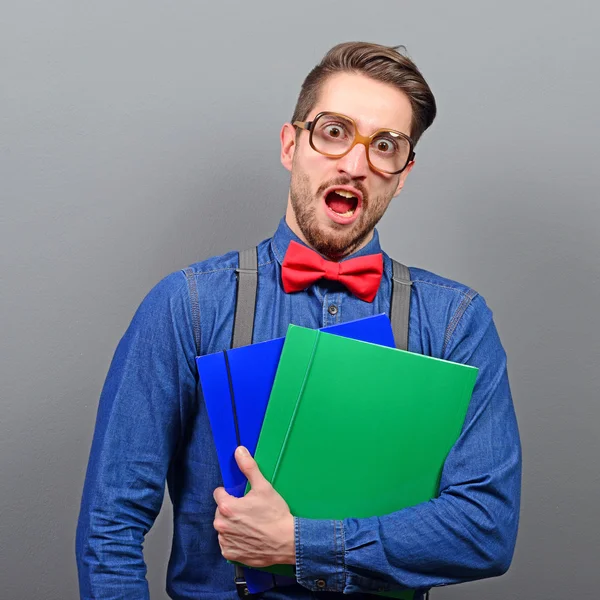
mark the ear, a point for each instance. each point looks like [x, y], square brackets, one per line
[403, 177]
[288, 145]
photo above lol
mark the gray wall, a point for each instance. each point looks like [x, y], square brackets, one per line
[138, 137]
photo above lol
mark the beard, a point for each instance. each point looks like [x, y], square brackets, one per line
[340, 240]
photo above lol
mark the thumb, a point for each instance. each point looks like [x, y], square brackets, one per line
[249, 468]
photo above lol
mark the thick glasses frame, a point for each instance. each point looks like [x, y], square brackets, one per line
[358, 139]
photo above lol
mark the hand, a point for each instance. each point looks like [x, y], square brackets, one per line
[258, 529]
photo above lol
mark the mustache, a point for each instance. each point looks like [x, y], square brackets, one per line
[344, 181]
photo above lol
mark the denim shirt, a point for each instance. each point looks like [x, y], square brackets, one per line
[152, 427]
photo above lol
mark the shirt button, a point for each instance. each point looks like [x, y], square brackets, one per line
[321, 583]
[332, 310]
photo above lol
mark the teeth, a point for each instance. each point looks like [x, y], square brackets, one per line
[345, 194]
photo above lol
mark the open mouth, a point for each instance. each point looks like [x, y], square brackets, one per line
[342, 202]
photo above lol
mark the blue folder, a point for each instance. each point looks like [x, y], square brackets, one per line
[236, 385]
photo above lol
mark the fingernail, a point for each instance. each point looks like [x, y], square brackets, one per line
[242, 450]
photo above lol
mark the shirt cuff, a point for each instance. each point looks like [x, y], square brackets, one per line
[320, 564]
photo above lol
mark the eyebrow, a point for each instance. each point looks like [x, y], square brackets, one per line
[358, 125]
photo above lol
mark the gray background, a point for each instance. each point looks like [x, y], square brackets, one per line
[138, 137]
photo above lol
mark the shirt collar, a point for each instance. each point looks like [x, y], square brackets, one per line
[284, 235]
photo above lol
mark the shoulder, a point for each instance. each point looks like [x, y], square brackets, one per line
[432, 282]
[177, 292]
[226, 264]
[447, 310]
[204, 275]
[448, 291]
[172, 292]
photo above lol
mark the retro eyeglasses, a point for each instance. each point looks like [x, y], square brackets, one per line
[334, 135]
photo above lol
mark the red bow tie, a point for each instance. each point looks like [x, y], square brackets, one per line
[302, 266]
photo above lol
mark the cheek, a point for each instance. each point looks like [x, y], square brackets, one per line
[383, 190]
[313, 171]
[318, 166]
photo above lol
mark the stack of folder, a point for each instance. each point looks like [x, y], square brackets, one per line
[340, 422]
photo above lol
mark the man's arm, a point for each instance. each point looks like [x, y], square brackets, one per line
[469, 531]
[139, 422]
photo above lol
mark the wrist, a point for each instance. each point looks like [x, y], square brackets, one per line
[289, 546]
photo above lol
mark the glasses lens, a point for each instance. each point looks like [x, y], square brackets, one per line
[332, 134]
[389, 151]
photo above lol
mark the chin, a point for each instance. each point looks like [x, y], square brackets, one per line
[333, 243]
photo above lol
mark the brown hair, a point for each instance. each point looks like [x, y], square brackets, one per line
[382, 63]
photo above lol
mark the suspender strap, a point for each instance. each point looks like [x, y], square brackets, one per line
[247, 274]
[243, 328]
[400, 304]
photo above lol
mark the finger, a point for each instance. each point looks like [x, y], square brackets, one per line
[226, 550]
[217, 521]
[220, 495]
[220, 524]
[221, 540]
[225, 510]
[249, 468]
[226, 504]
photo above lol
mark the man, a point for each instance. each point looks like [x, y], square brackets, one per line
[349, 149]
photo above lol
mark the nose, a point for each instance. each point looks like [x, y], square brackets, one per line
[355, 163]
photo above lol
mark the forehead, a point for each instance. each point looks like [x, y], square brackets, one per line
[372, 104]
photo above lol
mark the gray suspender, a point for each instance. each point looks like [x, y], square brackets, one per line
[400, 304]
[247, 273]
[243, 327]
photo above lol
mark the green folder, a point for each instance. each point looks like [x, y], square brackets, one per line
[354, 429]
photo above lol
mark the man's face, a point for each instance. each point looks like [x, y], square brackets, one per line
[332, 223]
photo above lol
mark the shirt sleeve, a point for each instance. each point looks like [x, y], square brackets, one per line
[150, 383]
[466, 533]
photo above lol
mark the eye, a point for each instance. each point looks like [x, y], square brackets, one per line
[334, 130]
[384, 145]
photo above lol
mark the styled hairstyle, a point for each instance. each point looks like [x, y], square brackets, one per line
[381, 63]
